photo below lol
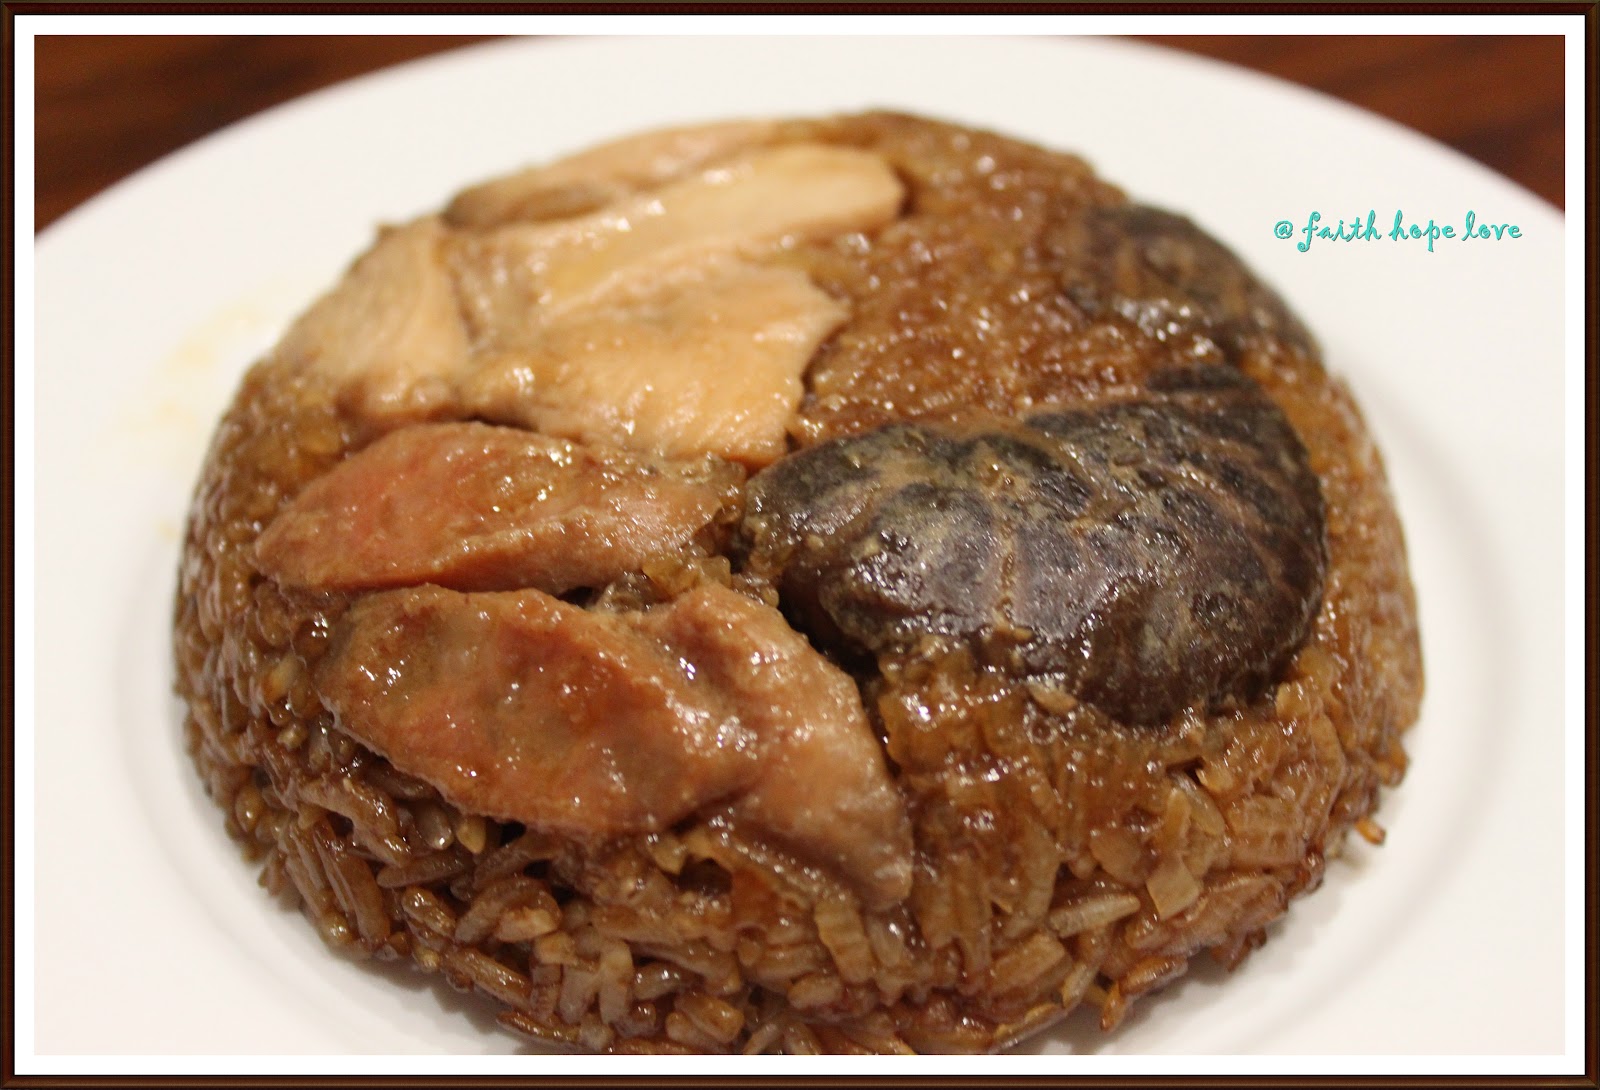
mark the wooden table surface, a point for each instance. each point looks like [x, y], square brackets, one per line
[107, 106]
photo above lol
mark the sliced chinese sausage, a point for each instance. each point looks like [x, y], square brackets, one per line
[522, 272]
[390, 334]
[519, 706]
[478, 507]
[1147, 553]
[823, 787]
[707, 365]
[516, 705]
[590, 179]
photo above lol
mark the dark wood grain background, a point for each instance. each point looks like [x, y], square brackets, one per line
[107, 106]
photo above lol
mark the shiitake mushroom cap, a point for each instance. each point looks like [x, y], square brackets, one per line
[1148, 553]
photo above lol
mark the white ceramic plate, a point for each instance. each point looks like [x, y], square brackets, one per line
[149, 933]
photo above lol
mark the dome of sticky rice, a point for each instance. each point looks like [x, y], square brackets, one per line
[845, 585]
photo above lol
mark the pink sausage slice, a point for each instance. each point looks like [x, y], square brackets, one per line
[521, 707]
[823, 789]
[477, 507]
[516, 705]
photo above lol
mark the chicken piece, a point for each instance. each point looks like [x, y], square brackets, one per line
[823, 788]
[390, 334]
[598, 176]
[520, 707]
[639, 325]
[525, 273]
[707, 366]
[477, 507]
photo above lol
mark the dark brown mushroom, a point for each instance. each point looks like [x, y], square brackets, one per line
[1160, 272]
[1147, 553]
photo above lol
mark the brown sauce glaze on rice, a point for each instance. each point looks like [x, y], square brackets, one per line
[856, 585]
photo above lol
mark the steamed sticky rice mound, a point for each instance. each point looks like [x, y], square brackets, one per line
[858, 585]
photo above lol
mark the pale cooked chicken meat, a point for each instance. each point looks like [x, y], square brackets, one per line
[640, 324]
[391, 333]
[707, 365]
[649, 323]
[597, 176]
[744, 205]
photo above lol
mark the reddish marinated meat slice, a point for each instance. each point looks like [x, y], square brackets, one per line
[476, 507]
[823, 788]
[521, 707]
